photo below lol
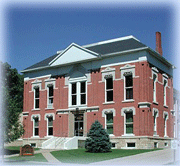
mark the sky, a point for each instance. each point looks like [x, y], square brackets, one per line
[34, 31]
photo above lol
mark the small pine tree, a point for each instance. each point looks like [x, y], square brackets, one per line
[98, 139]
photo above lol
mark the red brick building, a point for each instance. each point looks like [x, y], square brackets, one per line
[122, 83]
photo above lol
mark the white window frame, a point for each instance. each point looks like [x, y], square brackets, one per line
[35, 88]
[50, 105]
[165, 116]
[123, 113]
[33, 117]
[47, 116]
[155, 73]
[155, 116]
[108, 111]
[109, 123]
[78, 91]
[165, 85]
[106, 90]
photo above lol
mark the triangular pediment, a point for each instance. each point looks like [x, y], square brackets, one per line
[73, 53]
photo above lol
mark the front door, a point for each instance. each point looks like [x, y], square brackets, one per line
[78, 124]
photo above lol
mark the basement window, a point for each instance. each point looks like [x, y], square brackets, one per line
[131, 145]
[155, 145]
[33, 145]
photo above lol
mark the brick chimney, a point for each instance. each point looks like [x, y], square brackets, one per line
[158, 43]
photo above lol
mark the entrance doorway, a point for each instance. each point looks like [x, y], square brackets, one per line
[78, 124]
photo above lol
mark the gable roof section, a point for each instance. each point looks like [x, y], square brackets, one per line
[73, 53]
[93, 51]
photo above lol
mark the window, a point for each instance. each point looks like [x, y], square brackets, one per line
[78, 93]
[33, 145]
[129, 122]
[74, 94]
[154, 87]
[155, 112]
[165, 123]
[36, 126]
[50, 95]
[155, 145]
[83, 92]
[165, 85]
[109, 123]
[36, 97]
[128, 87]
[109, 89]
[50, 126]
[131, 145]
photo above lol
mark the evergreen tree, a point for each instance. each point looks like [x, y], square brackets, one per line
[12, 87]
[98, 139]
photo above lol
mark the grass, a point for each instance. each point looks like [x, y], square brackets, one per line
[80, 156]
[8, 150]
[37, 157]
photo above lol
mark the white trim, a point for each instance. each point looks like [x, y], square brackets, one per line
[27, 78]
[144, 104]
[79, 47]
[49, 114]
[106, 90]
[155, 110]
[165, 114]
[111, 41]
[46, 117]
[165, 90]
[155, 69]
[154, 84]
[107, 111]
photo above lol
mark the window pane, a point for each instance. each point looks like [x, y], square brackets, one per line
[36, 122]
[36, 103]
[129, 93]
[109, 83]
[37, 93]
[129, 117]
[50, 100]
[129, 128]
[50, 91]
[83, 87]
[109, 118]
[110, 129]
[36, 132]
[73, 99]
[50, 131]
[50, 121]
[129, 81]
[74, 88]
[110, 95]
[83, 99]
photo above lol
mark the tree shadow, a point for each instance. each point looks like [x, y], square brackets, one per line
[10, 152]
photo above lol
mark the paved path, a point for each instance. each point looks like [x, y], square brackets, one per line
[50, 158]
[159, 157]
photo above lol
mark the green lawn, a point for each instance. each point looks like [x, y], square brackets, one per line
[82, 157]
[37, 157]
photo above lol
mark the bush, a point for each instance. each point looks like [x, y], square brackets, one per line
[98, 139]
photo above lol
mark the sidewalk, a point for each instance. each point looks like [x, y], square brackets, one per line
[159, 157]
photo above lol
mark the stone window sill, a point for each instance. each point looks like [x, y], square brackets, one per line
[155, 102]
[36, 109]
[111, 102]
[165, 106]
[128, 101]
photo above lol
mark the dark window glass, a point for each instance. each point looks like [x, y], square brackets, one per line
[110, 129]
[109, 83]
[50, 121]
[74, 88]
[50, 130]
[129, 81]
[129, 93]
[129, 128]
[50, 91]
[109, 118]
[37, 93]
[36, 103]
[110, 95]
[83, 98]
[36, 122]
[129, 117]
[36, 133]
[73, 99]
[131, 144]
[83, 87]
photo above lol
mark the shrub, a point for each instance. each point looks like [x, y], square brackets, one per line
[98, 139]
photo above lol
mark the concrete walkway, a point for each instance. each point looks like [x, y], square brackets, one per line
[49, 157]
[159, 157]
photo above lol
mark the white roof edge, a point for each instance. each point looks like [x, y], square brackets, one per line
[111, 41]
